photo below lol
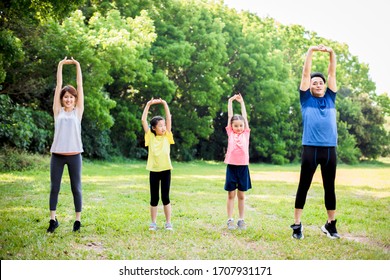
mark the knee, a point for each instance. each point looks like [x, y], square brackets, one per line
[154, 201]
[231, 195]
[241, 195]
[54, 190]
[76, 189]
[165, 200]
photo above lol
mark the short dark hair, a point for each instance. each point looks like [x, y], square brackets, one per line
[154, 121]
[318, 74]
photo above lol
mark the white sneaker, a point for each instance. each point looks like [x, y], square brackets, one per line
[168, 226]
[153, 226]
[230, 224]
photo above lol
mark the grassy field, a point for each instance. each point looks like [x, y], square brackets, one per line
[116, 215]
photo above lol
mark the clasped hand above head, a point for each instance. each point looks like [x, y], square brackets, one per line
[69, 61]
[321, 48]
[156, 101]
[237, 97]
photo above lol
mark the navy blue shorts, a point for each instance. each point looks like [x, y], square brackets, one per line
[237, 177]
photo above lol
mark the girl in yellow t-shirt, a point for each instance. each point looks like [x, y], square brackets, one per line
[158, 138]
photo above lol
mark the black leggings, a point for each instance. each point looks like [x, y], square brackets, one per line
[311, 157]
[154, 180]
[57, 164]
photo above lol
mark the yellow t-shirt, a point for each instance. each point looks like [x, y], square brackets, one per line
[159, 151]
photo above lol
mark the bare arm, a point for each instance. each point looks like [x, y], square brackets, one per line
[332, 85]
[230, 109]
[305, 80]
[80, 90]
[168, 117]
[243, 109]
[56, 100]
[144, 118]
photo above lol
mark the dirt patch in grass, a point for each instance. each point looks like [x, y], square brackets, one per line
[97, 246]
[366, 240]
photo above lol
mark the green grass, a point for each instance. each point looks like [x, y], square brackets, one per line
[116, 215]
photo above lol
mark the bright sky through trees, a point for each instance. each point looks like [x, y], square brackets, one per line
[361, 24]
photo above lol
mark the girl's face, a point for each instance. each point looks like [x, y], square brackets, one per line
[238, 126]
[160, 127]
[68, 101]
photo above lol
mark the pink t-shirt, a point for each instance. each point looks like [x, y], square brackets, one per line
[238, 147]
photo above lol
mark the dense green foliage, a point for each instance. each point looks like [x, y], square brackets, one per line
[194, 54]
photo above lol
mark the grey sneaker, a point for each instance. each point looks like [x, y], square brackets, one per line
[241, 224]
[297, 231]
[230, 224]
[168, 226]
[153, 226]
[330, 230]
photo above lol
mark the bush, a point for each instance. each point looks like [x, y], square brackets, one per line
[347, 149]
[12, 159]
[96, 143]
[23, 127]
[278, 159]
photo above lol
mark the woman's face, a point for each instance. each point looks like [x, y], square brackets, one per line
[68, 101]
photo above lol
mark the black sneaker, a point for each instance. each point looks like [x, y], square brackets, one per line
[297, 231]
[76, 226]
[53, 224]
[330, 230]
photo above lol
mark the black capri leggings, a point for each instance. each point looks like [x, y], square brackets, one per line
[154, 180]
[311, 157]
[57, 164]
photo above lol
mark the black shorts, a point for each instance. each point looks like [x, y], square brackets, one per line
[237, 177]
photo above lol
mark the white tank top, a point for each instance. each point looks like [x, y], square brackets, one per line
[67, 133]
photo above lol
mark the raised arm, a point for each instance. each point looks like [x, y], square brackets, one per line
[332, 85]
[305, 81]
[230, 109]
[56, 100]
[168, 117]
[144, 117]
[80, 90]
[243, 109]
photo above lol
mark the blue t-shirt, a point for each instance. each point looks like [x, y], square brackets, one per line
[319, 119]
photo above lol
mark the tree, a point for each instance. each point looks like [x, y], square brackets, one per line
[375, 138]
[194, 54]
[17, 20]
[365, 122]
[383, 101]
[190, 49]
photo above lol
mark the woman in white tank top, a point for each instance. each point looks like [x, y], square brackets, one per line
[68, 108]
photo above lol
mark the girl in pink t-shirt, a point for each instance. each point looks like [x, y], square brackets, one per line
[238, 180]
